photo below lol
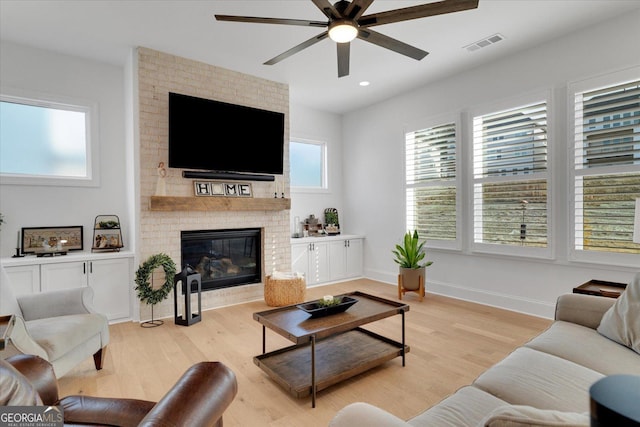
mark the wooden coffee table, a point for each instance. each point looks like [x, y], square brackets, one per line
[328, 349]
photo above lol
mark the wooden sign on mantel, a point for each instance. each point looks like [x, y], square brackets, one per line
[225, 189]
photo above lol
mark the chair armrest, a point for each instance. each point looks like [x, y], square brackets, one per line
[364, 414]
[585, 310]
[56, 303]
[21, 341]
[104, 410]
[39, 373]
[199, 398]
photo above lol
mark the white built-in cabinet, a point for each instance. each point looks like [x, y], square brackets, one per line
[327, 259]
[345, 259]
[108, 274]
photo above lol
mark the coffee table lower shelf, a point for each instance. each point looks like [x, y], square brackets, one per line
[337, 358]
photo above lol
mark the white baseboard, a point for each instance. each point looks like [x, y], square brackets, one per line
[508, 302]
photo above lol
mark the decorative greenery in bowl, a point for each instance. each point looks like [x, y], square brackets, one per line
[328, 301]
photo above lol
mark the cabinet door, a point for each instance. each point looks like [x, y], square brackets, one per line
[338, 259]
[63, 275]
[318, 263]
[111, 282]
[24, 279]
[300, 259]
[354, 257]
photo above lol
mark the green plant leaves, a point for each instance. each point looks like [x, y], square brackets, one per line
[411, 252]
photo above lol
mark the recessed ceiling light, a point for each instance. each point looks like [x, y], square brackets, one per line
[364, 83]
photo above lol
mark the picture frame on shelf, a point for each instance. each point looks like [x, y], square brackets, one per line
[64, 238]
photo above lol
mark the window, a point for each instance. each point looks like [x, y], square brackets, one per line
[606, 167]
[308, 164]
[431, 184]
[45, 142]
[510, 178]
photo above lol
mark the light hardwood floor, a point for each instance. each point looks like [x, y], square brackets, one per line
[451, 343]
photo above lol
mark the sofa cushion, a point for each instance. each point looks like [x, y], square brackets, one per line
[365, 415]
[586, 347]
[621, 323]
[58, 335]
[531, 377]
[527, 416]
[467, 407]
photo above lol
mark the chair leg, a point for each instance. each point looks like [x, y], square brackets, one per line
[399, 286]
[98, 357]
[421, 290]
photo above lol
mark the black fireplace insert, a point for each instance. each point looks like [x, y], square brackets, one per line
[224, 258]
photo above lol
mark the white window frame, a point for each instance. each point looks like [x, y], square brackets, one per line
[548, 252]
[593, 83]
[424, 123]
[324, 168]
[89, 108]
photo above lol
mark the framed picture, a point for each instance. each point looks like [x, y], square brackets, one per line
[37, 239]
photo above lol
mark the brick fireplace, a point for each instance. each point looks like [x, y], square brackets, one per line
[160, 231]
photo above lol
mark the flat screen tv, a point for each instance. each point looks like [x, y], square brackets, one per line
[216, 136]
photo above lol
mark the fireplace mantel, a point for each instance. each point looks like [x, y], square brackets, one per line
[174, 204]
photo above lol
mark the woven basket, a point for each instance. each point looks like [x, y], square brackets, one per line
[280, 292]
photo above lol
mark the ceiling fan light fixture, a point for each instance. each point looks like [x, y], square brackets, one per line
[342, 31]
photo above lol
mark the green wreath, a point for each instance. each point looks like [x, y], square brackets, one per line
[145, 292]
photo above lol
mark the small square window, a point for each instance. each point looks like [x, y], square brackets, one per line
[308, 164]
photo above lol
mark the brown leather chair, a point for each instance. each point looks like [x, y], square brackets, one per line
[199, 398]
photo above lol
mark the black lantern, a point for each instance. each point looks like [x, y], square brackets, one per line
[191, 283]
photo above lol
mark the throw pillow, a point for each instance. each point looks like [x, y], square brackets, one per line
[528, 416]
[621, 323]
[15, 389]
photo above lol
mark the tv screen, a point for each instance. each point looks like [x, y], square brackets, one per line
[216, 136]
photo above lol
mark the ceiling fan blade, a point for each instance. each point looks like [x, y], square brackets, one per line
[343, 58]
[415, 12]
[327, 8]
[356, 8]
[297, 48]
[387, 42]
[258, 20]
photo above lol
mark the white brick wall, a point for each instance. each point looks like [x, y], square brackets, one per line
[158, 74]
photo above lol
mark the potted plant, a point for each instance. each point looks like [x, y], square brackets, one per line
[410, 257]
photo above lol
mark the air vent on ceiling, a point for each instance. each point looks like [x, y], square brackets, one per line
[487, 41]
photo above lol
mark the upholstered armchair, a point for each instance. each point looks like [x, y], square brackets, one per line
[59, 326]
[199, 398]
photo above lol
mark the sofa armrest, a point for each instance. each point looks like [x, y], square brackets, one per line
[582, 309]
[40, 375]
[199, 398]
[104, 410]
[56, 303]
[364, 414]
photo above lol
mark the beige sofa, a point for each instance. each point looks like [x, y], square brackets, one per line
[544, 382]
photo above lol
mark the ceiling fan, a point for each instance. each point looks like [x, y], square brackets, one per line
[346, 22]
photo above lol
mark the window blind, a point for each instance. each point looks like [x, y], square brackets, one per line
[431, 181]
[512, 142]
[510, 176]
[607, 167]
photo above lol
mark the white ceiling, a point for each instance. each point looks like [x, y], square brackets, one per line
[106, 30]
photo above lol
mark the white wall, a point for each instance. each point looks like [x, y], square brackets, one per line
[315, 125]
[373, 141]
[37, 70]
